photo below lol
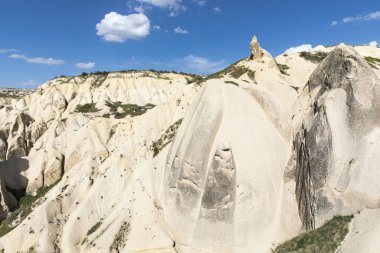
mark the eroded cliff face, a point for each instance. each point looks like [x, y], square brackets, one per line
[96, 163]
[337, 140]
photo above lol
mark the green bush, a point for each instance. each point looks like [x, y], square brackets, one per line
[132, 110]
[232, 82]
[26, 206]
[314, 57]
[94, 228]
[283, 68]
[325, 239]
[373, 62]
[166, 138]
[91, 107]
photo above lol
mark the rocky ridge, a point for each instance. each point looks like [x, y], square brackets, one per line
[265, 149]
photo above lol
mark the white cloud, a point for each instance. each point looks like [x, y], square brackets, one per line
[38, 60]
[6, 51]
[217, 9]
[373, 44]
[85, 65]
[140, 9]
[202, 65]
[30, 82]
[201, 2]
[180, 30]
[174, 6]
[359, 18]
[18, 56]
[119, 28]
[157, 27]
[193, 64]
[302, 48]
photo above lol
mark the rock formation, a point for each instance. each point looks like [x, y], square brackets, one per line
[256, 51]
[267, 149]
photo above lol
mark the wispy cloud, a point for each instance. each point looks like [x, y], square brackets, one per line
[201, 2]
[217, 9]
[115, 27]
[180, 30]
[301, 48]
[358, 18]
[37, 60]
[6, 51]
[194, 64]
[202, 65]
[85, 65]
[373, 43]
[174, 6]
[30, 82]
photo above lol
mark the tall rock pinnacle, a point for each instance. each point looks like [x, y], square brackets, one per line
[256, 51]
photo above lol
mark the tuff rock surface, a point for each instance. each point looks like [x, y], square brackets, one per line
[261, 155]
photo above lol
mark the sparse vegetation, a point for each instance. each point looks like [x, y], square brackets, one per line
[126, 109]
[26, 205]
[166, 138]
[314, 57]
[251, 75]
[232, 82]
[325, 239]
[86, 108]
[94, 228]
[283, 68]
[230, 69]
[120, 238]
[372, 61]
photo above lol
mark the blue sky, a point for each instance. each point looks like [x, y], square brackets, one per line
[41, 39]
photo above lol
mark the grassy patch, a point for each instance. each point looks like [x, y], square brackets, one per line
[94, 228]
[314, 57]
[91, 107]
[166, 138]
[9, 95]
[126, 109]
[233, 70]
[325, 239]
[283, 68]
[121, 237]
[26, 205]
[372, 61]
[232, 82]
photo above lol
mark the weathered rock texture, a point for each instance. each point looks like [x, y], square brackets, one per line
[256, 51]
[261, 155]
[336, 168]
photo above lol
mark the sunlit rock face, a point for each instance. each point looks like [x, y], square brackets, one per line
[221, 170]
[240, 161]
[337, 167]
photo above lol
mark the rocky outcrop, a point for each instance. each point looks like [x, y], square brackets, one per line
[255, 161]
[211, 187]
[256, 51]
[336, 168]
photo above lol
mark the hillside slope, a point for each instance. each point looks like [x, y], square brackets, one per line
[265, 150]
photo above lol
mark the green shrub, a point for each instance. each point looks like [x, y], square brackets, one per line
[132, 110]
[283, 68]
[251, 74]
[373, 62]
[166, 138]
[26, 206]
[232, 82]
[325, 239]
[94, 228]
[120, 239]
[91, 107]
[314, 57]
